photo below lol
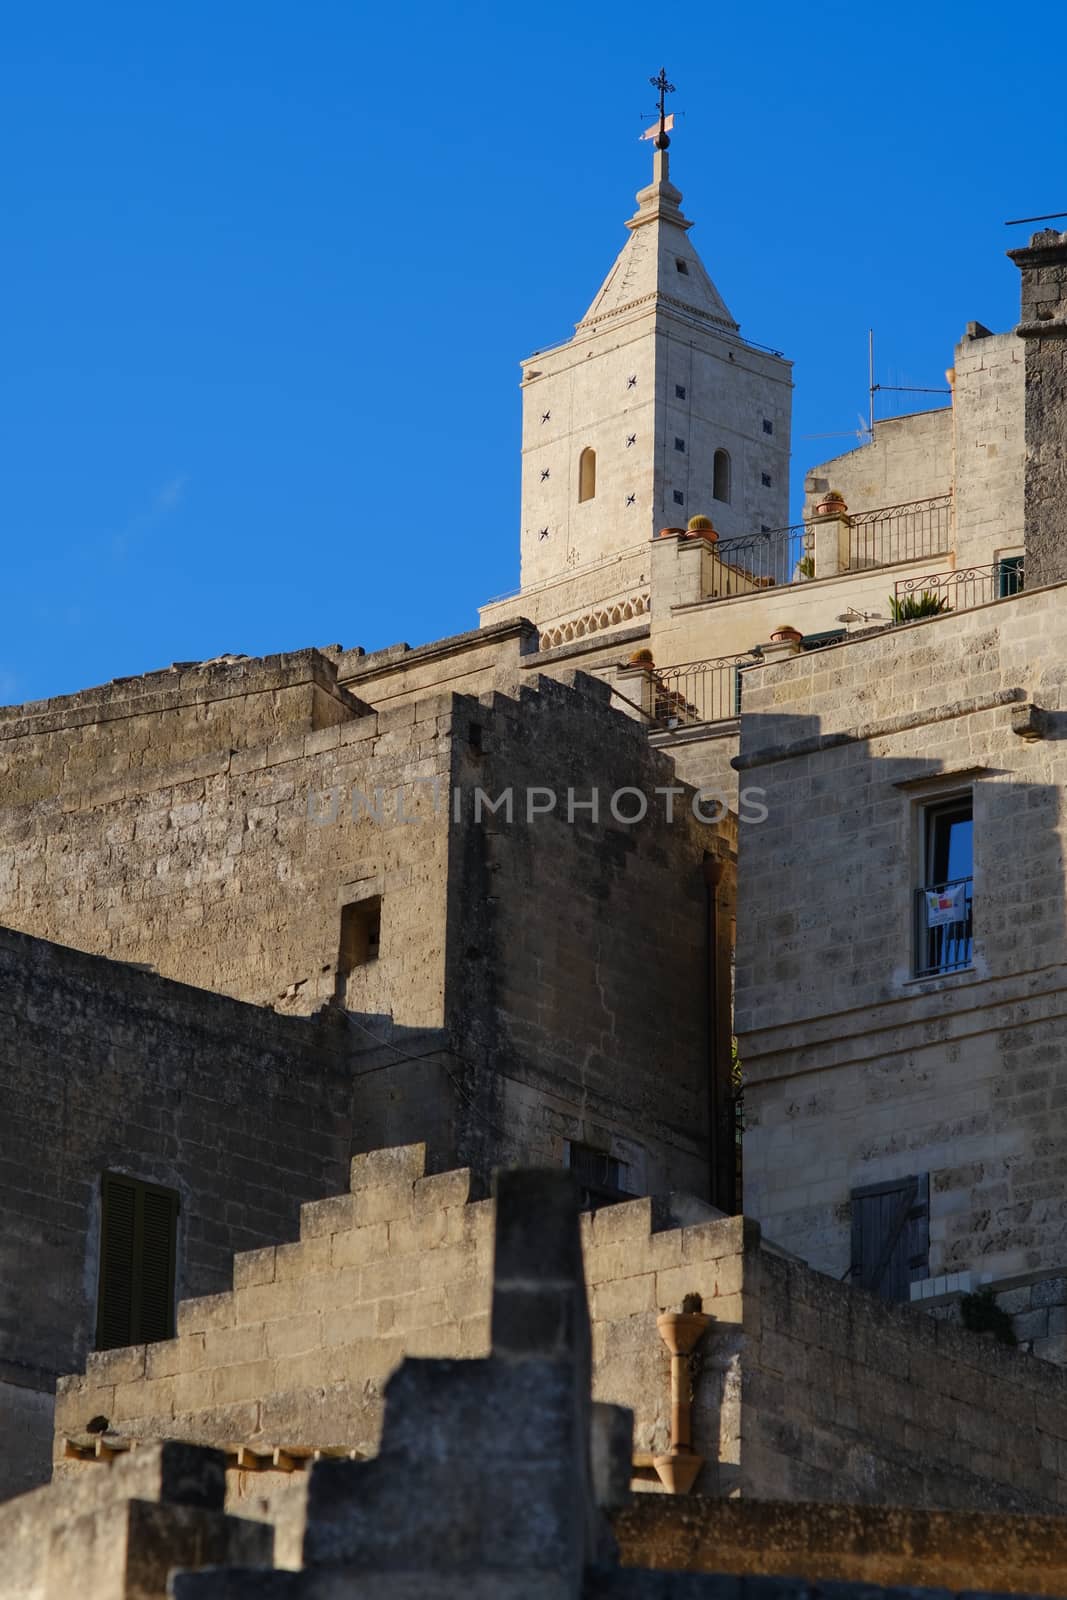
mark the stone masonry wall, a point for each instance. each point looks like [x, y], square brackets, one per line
[1043, 326]
[104, 1068]
[858, 1073]
[224, 860]
[571, 935]
[989, 451]
[804, 1388]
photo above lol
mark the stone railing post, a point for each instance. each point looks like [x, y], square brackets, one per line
[830, 543]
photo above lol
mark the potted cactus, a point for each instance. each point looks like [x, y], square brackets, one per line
[832, 504]
[701, 527]
[643, 659]
[785, 634]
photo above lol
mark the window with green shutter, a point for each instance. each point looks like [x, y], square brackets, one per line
[138, 1239]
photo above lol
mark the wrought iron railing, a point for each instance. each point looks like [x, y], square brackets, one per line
[906, 532]
[944, 927]
[932, 593]
[699, 691]
[759, 561]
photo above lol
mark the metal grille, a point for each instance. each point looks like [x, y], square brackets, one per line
[906, 532]
[949, 946]
[700, 691]
[963, 588]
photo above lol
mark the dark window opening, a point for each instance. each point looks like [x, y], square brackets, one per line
[945, 899]
[138, 1246]
[679, 498]
[768, 425]
[766, 479]
[683, 266]
[600, 1176]
[679, 391]
[679, 444]
[891, 1236]
[1010, 576]
[361, 934]
[721, 476]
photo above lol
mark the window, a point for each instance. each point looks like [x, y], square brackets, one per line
[361, 934]
[891, 1236]
[587, 475]
[721, 476]
[944, 903]
[600, 1176]
[679, 444]
[138, 1240]
[679, 498]
[765, 478]
[1009, 570]
[679, 391]
[683, 266]
[768, 425]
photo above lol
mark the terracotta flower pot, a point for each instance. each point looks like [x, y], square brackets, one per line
[782, 635]
[642, 658]
[831, 508]
[669, 533]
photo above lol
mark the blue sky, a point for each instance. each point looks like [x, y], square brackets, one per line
[270, 269]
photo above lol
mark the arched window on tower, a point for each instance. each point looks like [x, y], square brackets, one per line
[721, 476]
[587, 475]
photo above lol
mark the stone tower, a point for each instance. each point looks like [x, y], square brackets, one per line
[655, 410]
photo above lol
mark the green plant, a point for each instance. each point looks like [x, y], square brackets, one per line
[913, 607]
[737, 1076]
[980, 1313]
[806, 566]
[833, 494]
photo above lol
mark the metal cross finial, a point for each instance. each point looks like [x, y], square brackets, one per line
[665, 87]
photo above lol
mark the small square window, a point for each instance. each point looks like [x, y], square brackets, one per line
[679, 391]
[765, 478]
[679, 444]
[768, 425]
[683, 266]
[679, 498]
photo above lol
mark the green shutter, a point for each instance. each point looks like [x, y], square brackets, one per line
[118, 1226]
[138, 1235]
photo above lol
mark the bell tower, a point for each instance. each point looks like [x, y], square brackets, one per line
[655, 410]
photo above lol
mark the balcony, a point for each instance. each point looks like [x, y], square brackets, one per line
[699, 691]
[934, 594]
[827, 547]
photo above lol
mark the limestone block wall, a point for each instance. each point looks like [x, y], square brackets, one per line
[805, 1388]
[988, 411]
[856, 1072]
[489, 657]
[104, 1068]
[227, 867]
[572, 935]
[909, 458]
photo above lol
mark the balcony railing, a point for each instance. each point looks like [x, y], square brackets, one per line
[906, 532]
[933, 593]
[700, 691]
[944, 927]
[758, 561]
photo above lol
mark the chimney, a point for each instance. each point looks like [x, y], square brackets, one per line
[1043, 325]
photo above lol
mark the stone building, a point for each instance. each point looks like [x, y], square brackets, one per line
[464, 907]
[443, 920]
[901, 937]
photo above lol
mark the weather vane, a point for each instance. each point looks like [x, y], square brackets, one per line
[664, 87]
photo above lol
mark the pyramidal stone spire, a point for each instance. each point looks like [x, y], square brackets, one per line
[658, 263]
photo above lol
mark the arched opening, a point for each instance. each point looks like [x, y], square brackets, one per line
[721, 477]
[587, 475]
